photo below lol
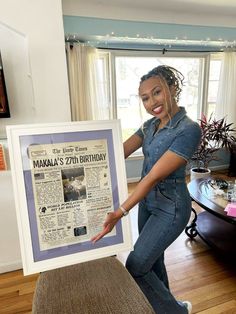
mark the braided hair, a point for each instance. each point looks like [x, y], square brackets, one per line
[172, 77]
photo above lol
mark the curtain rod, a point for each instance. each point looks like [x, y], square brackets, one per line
[164, 50]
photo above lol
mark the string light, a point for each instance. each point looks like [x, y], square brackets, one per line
[150, 39]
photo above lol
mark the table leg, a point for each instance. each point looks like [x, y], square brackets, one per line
[191, 230]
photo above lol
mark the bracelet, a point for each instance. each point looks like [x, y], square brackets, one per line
[124, 211]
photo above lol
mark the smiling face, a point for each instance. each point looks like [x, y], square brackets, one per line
[158, 99]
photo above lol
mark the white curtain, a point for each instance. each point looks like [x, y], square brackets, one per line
[86, 97]
[226, 97]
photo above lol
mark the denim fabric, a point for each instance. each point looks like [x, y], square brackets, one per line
[164, 212]
[181, 135]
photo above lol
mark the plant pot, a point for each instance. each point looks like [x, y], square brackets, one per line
[196, 173]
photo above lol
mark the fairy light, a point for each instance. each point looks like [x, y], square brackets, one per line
[154, 40]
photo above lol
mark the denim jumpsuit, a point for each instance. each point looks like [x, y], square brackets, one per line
[165, 211]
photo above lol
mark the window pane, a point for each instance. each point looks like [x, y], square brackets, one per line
[128, 72]
[129, 107]
[214, 74]
[215, 70]
[212, 91]
[103, 87]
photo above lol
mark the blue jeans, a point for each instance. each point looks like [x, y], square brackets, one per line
[163, 215]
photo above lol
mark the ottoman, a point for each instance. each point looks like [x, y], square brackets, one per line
[96, 287]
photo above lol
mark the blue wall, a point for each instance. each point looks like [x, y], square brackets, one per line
[96, 30]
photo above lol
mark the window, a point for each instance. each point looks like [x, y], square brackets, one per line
[128, 73]
[128, 67]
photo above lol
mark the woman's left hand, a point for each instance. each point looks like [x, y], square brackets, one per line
[111, 220]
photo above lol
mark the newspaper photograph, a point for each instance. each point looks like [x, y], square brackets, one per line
[72, 191]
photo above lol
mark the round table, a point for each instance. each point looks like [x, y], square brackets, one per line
[213, 224]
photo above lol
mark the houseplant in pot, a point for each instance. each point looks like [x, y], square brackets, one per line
[216, 134]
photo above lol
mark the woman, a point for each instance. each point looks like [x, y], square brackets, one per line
[168, 140]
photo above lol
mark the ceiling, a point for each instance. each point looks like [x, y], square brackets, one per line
[209, 6]
[199, 12]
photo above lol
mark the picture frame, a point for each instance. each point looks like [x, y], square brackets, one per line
[4, 105]
[66, 178]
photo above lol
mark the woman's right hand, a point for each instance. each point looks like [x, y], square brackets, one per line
[111, 220]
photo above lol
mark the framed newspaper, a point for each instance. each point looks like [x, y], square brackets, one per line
[66, 178]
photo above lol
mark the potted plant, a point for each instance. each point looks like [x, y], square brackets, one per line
[216, 134]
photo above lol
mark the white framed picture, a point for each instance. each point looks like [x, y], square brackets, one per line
[66, 178]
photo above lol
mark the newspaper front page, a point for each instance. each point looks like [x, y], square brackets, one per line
[72, 191]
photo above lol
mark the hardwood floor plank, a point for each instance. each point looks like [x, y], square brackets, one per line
[24, 288]
[210, 295]
[224, 308]
[7, 279]
[15, 305]
[209, 304]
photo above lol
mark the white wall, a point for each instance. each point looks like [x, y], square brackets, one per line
[10, 257]
[32, 47]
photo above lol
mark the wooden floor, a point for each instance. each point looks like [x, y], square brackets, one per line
[196, 274]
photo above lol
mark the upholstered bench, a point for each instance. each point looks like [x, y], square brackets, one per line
[101, 286]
